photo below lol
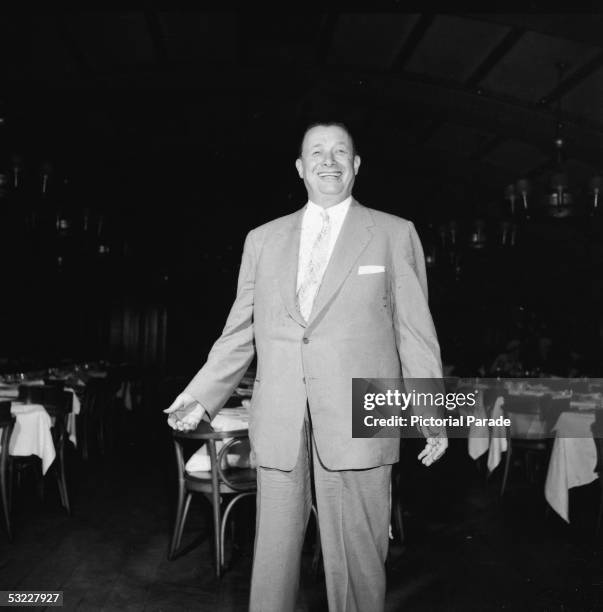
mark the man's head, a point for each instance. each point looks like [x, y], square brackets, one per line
[328, 163]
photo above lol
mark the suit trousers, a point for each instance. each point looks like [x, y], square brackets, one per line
[353, 514]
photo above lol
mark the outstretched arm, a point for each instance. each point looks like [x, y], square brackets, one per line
[229, 357]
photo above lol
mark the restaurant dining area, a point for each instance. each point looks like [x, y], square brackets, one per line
[140, 149]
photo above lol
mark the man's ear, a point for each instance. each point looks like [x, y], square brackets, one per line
[300, 168]
[356, 163]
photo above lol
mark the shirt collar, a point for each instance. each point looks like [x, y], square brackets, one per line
[336, 211]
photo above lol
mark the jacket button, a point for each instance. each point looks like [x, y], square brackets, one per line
[306, 340]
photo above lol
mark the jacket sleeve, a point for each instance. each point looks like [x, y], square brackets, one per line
[232, 353]
[416, 337]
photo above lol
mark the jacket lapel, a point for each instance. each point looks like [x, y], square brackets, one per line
[289, 258]
[353, 239]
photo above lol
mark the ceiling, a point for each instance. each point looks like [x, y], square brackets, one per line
[447, 109]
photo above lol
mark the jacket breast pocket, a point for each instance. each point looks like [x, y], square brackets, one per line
[370, 291]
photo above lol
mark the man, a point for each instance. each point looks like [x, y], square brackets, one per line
[331, 292]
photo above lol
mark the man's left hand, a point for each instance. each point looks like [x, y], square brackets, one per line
[433, 450]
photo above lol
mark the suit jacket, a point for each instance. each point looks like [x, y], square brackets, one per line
[375, 325]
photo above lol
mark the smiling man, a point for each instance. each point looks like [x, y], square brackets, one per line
[332, 292]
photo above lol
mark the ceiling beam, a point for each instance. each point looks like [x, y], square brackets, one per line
[568, 25]
[412, 41]
[443, 98]
[507, 117]
[576, 78]
[510, 39]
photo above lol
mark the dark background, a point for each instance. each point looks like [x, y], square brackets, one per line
[165, 136]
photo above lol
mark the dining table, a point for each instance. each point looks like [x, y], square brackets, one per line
[32, 431]
[573, 455]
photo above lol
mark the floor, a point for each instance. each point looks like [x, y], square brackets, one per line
[465, 549]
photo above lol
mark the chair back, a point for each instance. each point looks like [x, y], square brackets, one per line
[234, 479]
[54, 399]
[57, 401]
[31, 394]
[5, 414]
[53, 382]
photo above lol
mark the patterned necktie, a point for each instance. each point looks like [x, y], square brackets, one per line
[315, 268]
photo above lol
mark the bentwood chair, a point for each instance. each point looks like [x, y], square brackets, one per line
[7, 422]
[222, 481]
[597, 430]
[58, 403]
[541, 413]
[96, 416]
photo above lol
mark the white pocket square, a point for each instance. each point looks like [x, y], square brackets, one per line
[370, 269]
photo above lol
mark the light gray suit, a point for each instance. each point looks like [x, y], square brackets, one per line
[374, 325]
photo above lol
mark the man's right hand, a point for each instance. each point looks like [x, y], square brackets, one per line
[185, 413]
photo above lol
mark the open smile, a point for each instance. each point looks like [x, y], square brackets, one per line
[334, 175]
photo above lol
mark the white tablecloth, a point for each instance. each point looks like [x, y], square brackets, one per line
[521, 425]
[12, 392]
[573, 460]
[31, 435]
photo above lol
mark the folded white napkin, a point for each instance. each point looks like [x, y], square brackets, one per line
[76, 408]
[498, 437]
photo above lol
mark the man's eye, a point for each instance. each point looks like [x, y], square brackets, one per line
[341, 151]
[315, 153]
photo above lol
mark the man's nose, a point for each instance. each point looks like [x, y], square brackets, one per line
[328, 159]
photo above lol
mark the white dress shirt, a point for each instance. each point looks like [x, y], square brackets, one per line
[311, 226]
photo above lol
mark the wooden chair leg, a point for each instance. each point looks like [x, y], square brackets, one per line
[62, 480]
[11, 476]
[215, 494]
[40, 484]
[84, 435]
[600, 514]
[507, 467]
[184, 502]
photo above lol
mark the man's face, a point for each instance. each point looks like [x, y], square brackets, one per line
[327, 165]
